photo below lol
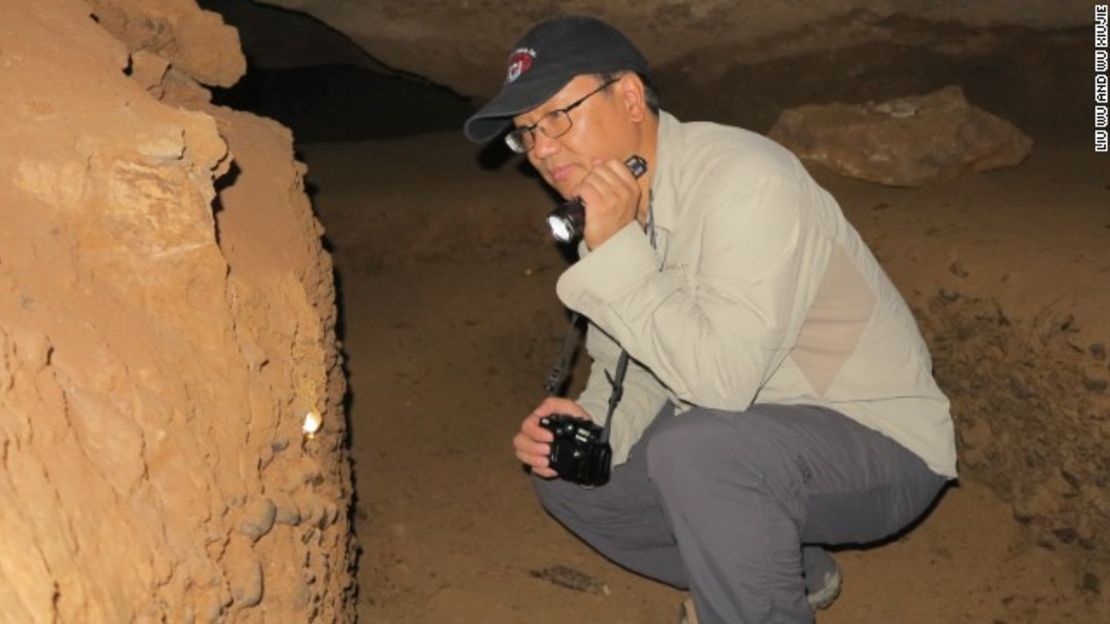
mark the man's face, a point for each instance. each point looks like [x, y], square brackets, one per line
[602, 128]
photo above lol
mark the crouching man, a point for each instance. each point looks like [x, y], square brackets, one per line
[778, 397]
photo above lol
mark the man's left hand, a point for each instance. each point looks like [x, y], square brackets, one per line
[611, 196]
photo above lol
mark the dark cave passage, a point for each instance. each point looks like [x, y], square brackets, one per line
[315, 81]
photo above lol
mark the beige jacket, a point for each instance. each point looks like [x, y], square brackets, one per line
[766, 295]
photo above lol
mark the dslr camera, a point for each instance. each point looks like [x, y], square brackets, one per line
[578, 452]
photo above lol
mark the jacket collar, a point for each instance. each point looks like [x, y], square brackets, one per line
[664, 182]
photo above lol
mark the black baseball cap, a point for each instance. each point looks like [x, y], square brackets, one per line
[545, 60]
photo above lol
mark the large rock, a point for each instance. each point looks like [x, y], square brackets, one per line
[463, 44]
[161, 342]
[908, 141]
[195, 42]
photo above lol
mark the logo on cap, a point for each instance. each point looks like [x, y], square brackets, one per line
[520, 61]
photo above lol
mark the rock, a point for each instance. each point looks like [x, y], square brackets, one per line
[148, 69]
[306, 471]
[246, 583]
[258, 518]
[311, 509]
[286, 510]
[948, 295]
[1066, 535]
[194, 41]
[181, 88]
[1098, 351]
[331, 513]
[212, 608]
[570, 578]
[909, 141]
[1091, 583]
[1096, 385]
[162, 150]
[265, 456]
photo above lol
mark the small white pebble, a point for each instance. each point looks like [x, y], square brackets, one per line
[312, 422]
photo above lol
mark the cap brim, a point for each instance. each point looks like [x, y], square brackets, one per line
[515, 98]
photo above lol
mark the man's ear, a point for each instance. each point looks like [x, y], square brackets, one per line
[631, 92]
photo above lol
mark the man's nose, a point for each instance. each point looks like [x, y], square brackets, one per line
[544, 145]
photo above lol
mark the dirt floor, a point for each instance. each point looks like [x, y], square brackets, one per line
[451, 323]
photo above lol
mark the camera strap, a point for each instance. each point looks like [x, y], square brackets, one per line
[616, 381]
[553, 385]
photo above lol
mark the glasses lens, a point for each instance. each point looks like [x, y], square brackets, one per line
[557, 124]
[515, 140]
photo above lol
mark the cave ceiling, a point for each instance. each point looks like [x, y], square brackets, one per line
[463, 44]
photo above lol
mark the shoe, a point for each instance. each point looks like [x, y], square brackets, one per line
[818, 599]
[827, 593]
[686, 613]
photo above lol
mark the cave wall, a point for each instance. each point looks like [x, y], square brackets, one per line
[167, 319]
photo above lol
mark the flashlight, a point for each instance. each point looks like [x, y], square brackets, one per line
[569, 219]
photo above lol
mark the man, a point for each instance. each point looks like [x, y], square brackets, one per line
[779, 396]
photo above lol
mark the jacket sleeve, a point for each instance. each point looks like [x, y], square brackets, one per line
[715, 332]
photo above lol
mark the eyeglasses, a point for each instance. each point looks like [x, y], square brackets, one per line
[553, 125]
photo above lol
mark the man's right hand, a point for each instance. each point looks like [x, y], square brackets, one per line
[533, 443]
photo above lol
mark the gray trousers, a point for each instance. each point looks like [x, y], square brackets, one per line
[722, 503]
